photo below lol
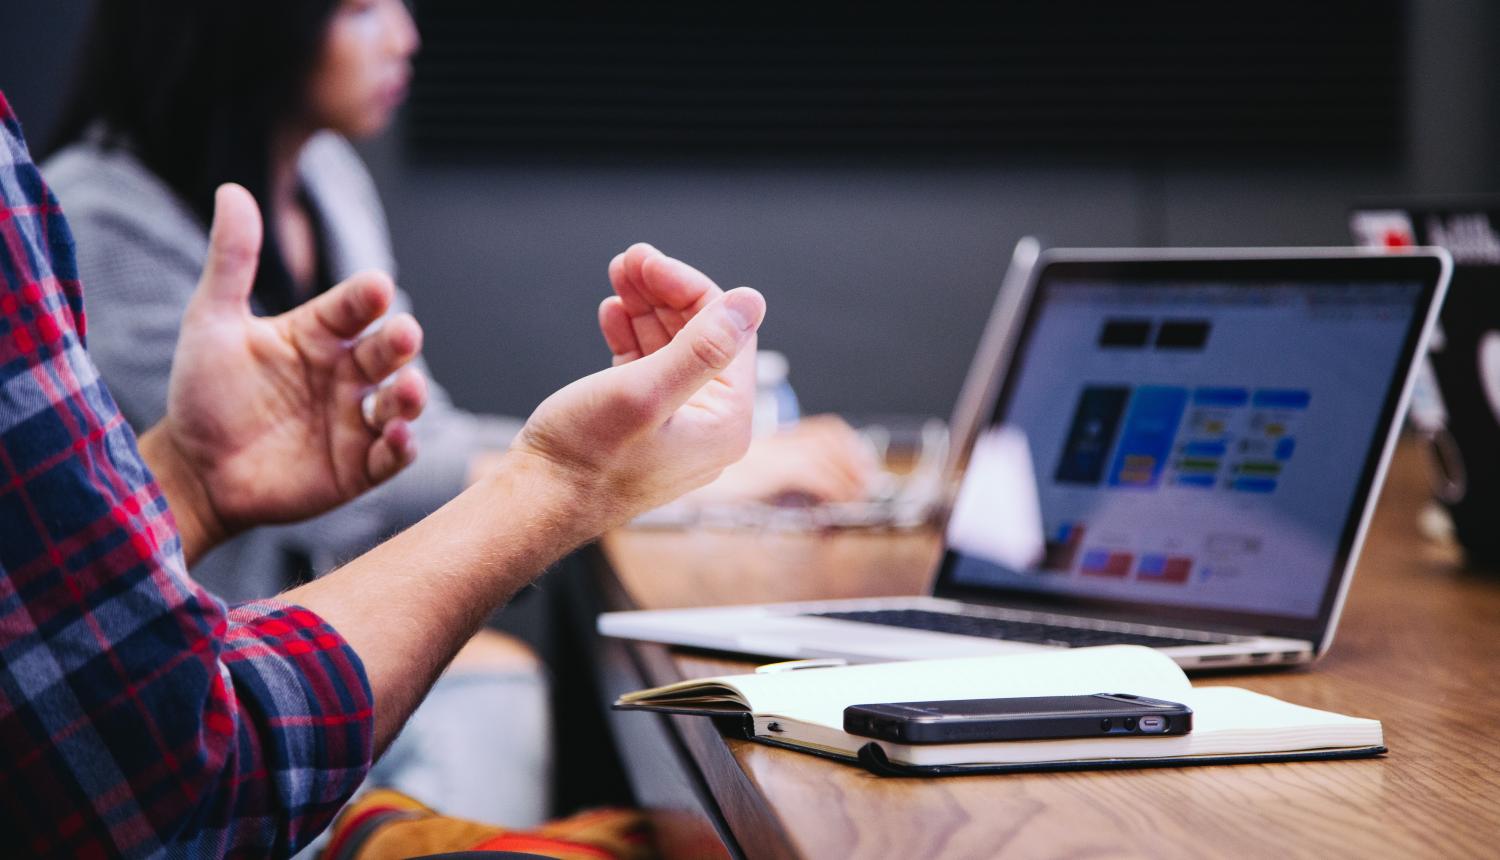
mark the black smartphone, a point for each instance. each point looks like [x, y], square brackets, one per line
[1028, 718]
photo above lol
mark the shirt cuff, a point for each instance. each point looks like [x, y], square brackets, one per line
[305, 703]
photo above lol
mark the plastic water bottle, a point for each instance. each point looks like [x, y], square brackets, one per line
[775, 402]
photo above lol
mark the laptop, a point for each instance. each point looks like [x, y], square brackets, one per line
[1183, 452]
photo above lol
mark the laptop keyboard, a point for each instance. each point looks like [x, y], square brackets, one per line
[1001, 628]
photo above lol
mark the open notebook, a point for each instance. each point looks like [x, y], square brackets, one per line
[803, 709]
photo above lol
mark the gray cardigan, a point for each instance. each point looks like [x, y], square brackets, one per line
[140, 251]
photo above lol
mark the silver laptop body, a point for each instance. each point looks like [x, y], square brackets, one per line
[1182, 449]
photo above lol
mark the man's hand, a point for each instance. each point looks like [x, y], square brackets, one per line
[672, 412]
[821, 458]
[265, 415]
[675, 408]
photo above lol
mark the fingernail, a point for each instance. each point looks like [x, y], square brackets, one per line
[744, 308]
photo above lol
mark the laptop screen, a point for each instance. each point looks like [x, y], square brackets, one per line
[1190, 446]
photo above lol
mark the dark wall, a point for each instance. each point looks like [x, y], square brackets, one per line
[36, 47]
[879, 277]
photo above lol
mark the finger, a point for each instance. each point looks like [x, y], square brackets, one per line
[387, 349]
[826, 485]
[233, 249]
[675, 290]
[393, 451]
[669, 283]
[649, 332]
[834, 441]
[348, 308]
[625, 277]
[862, 468]
[671, 320]
[403, 399]
[837, 464]
[852, 482]
[703, 350]
[614, 323]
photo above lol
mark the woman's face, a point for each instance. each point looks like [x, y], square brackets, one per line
[362, 74]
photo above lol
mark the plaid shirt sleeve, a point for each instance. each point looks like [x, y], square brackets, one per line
[138, 715]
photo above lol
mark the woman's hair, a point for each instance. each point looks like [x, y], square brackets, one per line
[196, 89]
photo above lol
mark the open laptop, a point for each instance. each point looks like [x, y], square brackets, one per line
[1184, 452]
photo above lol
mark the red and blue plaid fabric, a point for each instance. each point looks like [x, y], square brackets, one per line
[138, 715]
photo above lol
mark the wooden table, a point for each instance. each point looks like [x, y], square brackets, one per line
[1418, 648]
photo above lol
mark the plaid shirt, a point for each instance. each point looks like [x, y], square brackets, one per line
[138, 715]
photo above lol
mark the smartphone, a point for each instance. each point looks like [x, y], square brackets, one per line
[1029, 718]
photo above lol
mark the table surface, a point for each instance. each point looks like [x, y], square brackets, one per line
[1418, 648]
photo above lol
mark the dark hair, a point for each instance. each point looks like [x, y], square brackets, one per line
[196, 89]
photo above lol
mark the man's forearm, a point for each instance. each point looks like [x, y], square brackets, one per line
[407, 606]
[197, 521]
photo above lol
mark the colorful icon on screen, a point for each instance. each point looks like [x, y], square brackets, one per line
[1164, 568]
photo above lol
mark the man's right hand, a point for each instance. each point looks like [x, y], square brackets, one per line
[673, 411]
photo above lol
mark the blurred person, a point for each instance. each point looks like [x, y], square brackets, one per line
[139, 716]
[176, 96]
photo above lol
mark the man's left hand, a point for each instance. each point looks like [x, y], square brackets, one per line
[266, 416]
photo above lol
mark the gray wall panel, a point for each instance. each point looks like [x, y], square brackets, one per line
[878, 281]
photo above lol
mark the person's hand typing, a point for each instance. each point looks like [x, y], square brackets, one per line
[819, 459]
[266, 420]
[675, 408]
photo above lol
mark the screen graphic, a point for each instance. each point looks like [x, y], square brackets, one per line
[1198, 445]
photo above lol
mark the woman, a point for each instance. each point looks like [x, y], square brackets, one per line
[178, 96]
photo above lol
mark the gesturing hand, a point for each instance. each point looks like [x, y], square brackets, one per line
[264, 420]
[675, 408]
[822, 457]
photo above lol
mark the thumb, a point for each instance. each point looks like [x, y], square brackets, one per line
[233, 248]
[705, 348]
